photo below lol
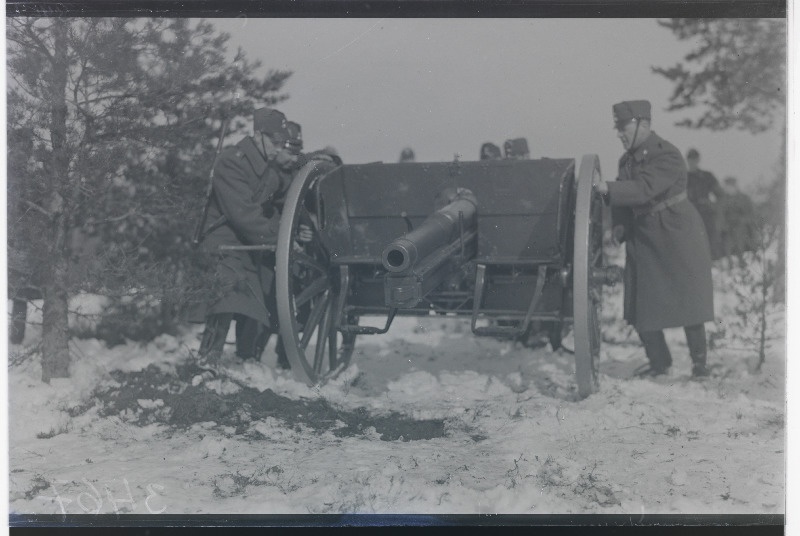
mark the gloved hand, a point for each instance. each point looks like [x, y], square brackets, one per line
[304, 233]
[304, 236]
[601, 187]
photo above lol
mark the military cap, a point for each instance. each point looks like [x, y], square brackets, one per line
[490, 151]
[692, 154]
[272, 123]
[626, 111]
[407, 155]
[516, 147]
[295, 131]
[295, 141]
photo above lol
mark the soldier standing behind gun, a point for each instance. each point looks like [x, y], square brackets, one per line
[490, 151]
[667, 260]
[407, 155]
[739, 216]
[517, 149]
[705, 193]
[247, 184]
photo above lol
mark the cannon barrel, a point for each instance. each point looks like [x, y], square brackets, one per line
[425, 257]
[438, 230]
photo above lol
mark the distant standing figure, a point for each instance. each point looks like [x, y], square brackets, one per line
[667, 261]
[517, 149]
[705, 192]
[407, 155]
[739, 220]
[490, 151]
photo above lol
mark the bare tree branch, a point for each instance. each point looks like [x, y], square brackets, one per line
[37, 208]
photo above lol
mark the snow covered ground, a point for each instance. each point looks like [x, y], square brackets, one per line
[429, 419]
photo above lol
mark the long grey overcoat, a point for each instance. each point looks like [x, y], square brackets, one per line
[667, 261]
[245, 187]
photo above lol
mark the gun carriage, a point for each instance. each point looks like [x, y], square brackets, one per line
[513, 245]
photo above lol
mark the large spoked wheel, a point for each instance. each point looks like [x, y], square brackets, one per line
[308, 287]
[586, 290]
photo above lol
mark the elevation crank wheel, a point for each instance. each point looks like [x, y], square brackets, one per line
[308, 286]
[586, 289]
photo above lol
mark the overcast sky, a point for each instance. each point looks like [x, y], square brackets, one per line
[370, 87]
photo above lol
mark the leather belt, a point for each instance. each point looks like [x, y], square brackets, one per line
[658, 207]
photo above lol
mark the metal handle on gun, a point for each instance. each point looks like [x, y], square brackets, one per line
[197, 237]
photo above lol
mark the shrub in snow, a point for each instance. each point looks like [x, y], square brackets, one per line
[748, 312]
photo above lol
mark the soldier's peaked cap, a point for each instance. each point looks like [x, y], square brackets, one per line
[626, 111]
[516, 147]
[295, 131]
[295, 141]
[270, 122]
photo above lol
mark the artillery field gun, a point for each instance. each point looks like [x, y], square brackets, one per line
[513, 245]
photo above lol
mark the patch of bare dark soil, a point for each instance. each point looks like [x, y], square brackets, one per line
[154, 395]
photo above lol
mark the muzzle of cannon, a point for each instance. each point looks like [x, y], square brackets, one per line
[424, 257]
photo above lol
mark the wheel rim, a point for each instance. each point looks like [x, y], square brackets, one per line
[587, 256]
[307, 288]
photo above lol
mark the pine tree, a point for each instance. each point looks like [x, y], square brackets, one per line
[735, 78]
[123, 115]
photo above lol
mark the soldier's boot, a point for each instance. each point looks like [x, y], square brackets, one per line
[696, 340]
[248, 337]
[213, 341]
[655, 346]
[261, 343]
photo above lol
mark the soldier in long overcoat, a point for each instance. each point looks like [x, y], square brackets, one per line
[248, 179]
[253, 336]
[667, 258]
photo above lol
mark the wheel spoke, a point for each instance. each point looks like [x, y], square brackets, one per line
[333, 336]
[316, 287]
[322, 338]
[595, 295]
[305, 216]
[313, 321]
[596, 257]
[310, 219]
[306, 260]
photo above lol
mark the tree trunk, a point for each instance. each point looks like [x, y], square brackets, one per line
[19, 317]
[55, 329]
[779, 289]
